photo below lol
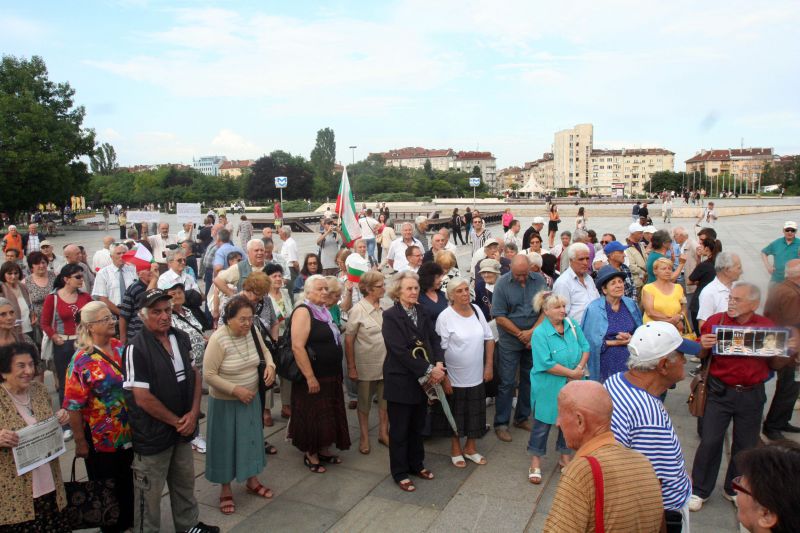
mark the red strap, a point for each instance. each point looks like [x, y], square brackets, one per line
[597, 473]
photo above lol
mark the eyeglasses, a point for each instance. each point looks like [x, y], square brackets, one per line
[736, 484]
[77, 276]
[245, 319]
[110, 319]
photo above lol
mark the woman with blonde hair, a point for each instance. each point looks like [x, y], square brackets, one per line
[93, 396]
[447, 260]
[663, 299]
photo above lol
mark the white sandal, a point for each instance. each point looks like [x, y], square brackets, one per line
[535, 475]
[476, 458]
[458, 459]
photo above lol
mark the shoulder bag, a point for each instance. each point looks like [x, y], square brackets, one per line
[46, 353]
[599, 494]
[698, 390]
[90, 504]
[283, 355]
[262, 361]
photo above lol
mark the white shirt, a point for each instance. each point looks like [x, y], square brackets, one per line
[713, 299]
[184, 235]
[107, 282]
[169, 278]
[33, 244]
[367, 224]
[289, 251]
[510, 236]
[578, 294]
[101, 259]
[451, 246]
[159, 245]
[463, 340]
[409, 268]
[397, 252]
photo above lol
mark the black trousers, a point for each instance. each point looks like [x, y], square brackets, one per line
[457, 235]
[406, 449]
[723, 406]
[62, 355]
[782, 407]
[117, 466]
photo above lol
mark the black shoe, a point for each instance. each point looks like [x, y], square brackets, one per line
[790, 428]
[773, 434]
[203, 528]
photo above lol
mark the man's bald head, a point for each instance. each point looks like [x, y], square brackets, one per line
[520, 266]
[584, 411]
[108, 241]
[72, 253]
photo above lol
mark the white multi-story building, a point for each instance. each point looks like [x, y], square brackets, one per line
[209, 165]
[626, 169]
[446, 159]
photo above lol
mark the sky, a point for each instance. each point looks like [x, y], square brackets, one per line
[169, 81]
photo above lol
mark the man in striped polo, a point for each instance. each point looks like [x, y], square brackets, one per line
[639, 420]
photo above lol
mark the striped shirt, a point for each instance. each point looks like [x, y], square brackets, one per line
[640, 422]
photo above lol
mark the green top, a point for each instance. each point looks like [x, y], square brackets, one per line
[651, 258]
[782, 252]
[550, 348]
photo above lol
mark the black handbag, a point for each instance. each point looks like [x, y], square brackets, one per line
[262, 361]
[283, 356]
[90, 504]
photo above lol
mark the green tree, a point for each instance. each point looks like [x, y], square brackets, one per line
[41, 136]
[323, 159]
[260, 184]
[428, 168]
[104, 160]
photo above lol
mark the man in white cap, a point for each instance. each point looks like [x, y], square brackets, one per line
[637, 260]
[782, 250]
[536, 227]
[640, 421]
[647, 236]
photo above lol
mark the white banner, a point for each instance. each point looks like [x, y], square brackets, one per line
[38, 444]
[189, 213]
[138, 217]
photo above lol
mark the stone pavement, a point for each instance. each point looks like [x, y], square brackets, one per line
[359, 495]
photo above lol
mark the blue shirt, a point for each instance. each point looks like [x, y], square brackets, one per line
[221, 255]
[782, 253]
[515, 302]
[640, 422]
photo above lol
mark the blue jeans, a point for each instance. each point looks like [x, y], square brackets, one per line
[510, 358]
[537, 444]
[371, 247]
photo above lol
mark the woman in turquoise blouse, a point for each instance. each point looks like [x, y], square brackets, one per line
[560, 353]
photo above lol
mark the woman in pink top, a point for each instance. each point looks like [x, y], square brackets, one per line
[507, 218]
[59, 312]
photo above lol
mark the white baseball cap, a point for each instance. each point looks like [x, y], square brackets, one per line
[655, 340]
[635, 227]
[537, 220]
[790, 224]
[649, 229]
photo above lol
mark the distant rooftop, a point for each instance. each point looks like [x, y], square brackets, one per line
[730, 153]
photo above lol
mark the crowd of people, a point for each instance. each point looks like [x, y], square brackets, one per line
[584, 336]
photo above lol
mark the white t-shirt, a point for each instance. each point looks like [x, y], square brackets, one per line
[367, 227]
[463, 345]
[289, 251]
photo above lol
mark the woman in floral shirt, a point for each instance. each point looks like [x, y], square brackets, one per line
[97, 411]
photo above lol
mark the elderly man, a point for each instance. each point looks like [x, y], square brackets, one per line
[73, 256]
[236, 274]
[13, 241]
[437, 245]
[451, 246]
[113, 280]
[102, 257]
[576, 284]
[631, 494]
[289, 250]
[420, 229]
[536, 227]
[329, 243]
[714, 297]
[54, 263]
[512, 306]
[684, 246]
[641, 422]
[637, 259]
[159, 244]
[272, 258]
[512, 235]
[368, 225]
[31, 242]
[187, 233]
[783, 308]
[396, 257]
[735, 394]
[413, 259]
[615, 253]
[782, 250]
[176, 263]
[224, 247]
[583, 236]
[162, 390]
[267, 233]
[130, 324]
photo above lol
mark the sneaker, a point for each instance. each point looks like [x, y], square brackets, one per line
[731, 498]
[199, 444]
[696, 503]
[67, 435]
[694, 359]
[489, 401]
[202, 528]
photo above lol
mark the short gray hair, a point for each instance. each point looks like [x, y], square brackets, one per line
[635, 363]
[724, 261]
[394, 289]
[453, 284]
[307, 286]
[404, 224]
[535, 258]
[252, 243]
[754, 293]
[576, 247]
[171, 253]
[287, 230]
[580, 235]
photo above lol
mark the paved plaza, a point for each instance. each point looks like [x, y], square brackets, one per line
[359, 495]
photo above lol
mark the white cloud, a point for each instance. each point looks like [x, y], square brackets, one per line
[233, 145]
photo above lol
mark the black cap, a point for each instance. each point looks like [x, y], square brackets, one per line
[150, 297]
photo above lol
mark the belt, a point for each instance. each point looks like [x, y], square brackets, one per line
[69, 337]
[736, 388]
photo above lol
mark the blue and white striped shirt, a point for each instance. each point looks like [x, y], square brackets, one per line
[640, 422]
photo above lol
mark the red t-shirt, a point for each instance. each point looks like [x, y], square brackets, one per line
[733, 369]
[66, 313]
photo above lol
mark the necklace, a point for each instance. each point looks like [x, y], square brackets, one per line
[235, 340]
[27, 405]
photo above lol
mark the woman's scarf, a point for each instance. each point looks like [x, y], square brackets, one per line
[323, 314]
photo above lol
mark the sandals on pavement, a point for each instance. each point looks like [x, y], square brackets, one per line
[260, 490]
[330, 459]
[476, 458]
[424, 474]
[269, 449]
[458, 461]
[226, 505]
[364, 450]
[316, 468]
[385, 442]
[406, 485]
[535, 475]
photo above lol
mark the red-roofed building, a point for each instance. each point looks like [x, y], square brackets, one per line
[737, 163]
[444, 159]
[235, 168]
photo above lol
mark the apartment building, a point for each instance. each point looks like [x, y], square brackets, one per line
[235, 168]
[539, 175]
[737, 163]
[625, 171]
[446, 159]
[209, 165]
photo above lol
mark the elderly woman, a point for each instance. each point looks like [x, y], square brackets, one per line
[535, 245]
[12, 288]
[489, 272]
[59, 319]
[94, 398]
[413, 351]
[608, 324]
[661, 244]
[432, 299]
[318, 415]
[468, 346]
[32, 501]
[365, 353]
[311, 266]
[176, 261]
[447, 260]
[663, 300]
[9, 332]
[230, 367]
[560, 354]
[39, 284]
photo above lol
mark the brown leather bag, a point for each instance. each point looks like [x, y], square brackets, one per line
[698, 390]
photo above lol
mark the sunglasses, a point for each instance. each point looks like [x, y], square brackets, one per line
[736, 484]
[604, 242]
[79, 276]
[790, 230]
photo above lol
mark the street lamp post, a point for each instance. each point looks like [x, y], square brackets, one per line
[353, 148]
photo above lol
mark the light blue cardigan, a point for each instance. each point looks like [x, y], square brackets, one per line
[595, 325]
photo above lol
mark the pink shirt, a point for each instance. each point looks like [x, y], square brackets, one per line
[42, 476]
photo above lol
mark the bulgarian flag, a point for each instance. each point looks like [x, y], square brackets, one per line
[356, 266]
[140, 257]
[346, 209]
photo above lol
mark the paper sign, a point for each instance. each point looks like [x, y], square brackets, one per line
[189, 213]
[38, 444]
[139, 217]
[751, 341]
